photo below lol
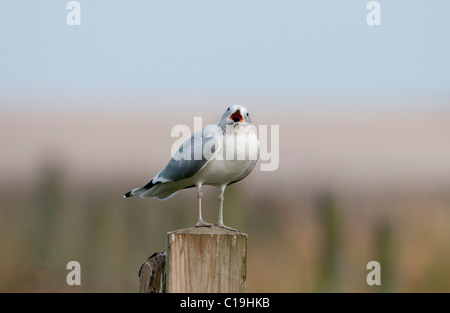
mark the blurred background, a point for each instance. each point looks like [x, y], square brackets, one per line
[86, 114]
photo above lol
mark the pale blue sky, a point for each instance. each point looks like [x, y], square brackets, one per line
[234, 50]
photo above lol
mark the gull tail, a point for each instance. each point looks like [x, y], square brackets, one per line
[134, 192]
[140, 190]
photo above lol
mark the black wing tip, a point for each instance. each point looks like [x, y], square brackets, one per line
[151, 184]
[139, 190]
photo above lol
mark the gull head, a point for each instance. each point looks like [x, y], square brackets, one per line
[236, 115]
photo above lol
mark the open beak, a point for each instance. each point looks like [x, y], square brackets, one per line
[236, 116]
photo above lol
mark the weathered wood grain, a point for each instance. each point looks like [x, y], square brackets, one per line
[152, 274]
[206, 259]
[198, 259]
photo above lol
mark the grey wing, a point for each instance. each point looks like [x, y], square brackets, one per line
[189, 159]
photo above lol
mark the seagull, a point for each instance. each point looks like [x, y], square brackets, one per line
[218, 155]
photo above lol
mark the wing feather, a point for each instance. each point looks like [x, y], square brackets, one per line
[189, 158]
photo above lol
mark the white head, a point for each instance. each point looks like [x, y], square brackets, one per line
[236, 115]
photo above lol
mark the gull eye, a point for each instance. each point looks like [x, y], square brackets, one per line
[228, 109]
[248, 114]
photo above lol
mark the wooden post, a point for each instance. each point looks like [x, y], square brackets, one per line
[199, 259]
[152, 274]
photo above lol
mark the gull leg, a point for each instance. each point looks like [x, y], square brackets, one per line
[221, 198]
[201, 222]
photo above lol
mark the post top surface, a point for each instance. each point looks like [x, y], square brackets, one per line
[213, 230]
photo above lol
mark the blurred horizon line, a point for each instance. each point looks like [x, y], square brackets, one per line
[314, 103]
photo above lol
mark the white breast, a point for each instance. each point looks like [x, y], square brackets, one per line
[235, 160]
